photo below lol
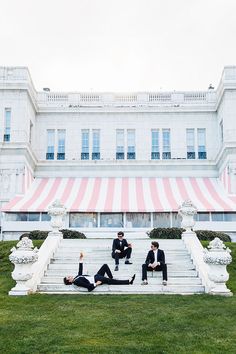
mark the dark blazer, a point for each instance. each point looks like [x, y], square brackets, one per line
[160, 257]
[80, 280]
[116, 244]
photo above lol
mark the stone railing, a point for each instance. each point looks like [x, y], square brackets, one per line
[210, 264]
[30, 265]
[136, 99]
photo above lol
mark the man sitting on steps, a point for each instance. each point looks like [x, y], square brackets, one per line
[120, 249]
[155, 261]
[91, 282]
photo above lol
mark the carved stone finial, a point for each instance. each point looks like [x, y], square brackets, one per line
[56, 211]
[217, 257]
[187, 211]
[22, 257]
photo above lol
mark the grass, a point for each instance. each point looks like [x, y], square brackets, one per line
[115, 324]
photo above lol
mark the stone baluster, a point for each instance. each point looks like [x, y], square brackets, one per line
[57, 211]
[22, 257]
[217, 257]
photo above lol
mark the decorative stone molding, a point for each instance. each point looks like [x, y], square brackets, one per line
[22, 257]
[217, 257]
[187, 211]
[56, 211]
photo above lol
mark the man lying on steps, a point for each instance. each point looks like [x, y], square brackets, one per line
[91, 282]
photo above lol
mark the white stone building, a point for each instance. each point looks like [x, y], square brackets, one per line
[116, 160]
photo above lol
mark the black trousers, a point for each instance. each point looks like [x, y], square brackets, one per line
[162, 267]
[106, 270]
[126, 253]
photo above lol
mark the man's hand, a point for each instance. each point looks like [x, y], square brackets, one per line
[152, 265]
[98, 283]
[130, 245]
[81, 256]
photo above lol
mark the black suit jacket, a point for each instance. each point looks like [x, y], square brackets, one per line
[80, 280]
[151, 258]
[116, 244]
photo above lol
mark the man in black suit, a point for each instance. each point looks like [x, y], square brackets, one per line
[91, 282]
[155, 261]
[120, 249]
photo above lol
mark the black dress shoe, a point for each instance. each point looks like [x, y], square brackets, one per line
[128, 262]
[132, 279]
[116, 268]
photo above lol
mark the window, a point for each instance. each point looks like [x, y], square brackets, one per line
[201, 138]
[202, 217]
[7, 130]
[227, 217]
[22, 216]
[120, 151]
[190, 144]
[217, 216]
[161, 219]
[61, 136]
[176, 220]
[138, 220]
[45, 217]
[85, 145]
[83, 220]
[155, 154]
[131, 144]
[166, 154]
[33, 216]
[96, 145]
[111, 220]
[50, 144]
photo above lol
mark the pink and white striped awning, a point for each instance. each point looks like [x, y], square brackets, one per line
[134, 194]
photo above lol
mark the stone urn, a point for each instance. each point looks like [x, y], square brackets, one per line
[57, 212]
[22, 257]
[217, 257]
[187, 211]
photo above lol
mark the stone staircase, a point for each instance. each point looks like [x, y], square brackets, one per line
[182, 276]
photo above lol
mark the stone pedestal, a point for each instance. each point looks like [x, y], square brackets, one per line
[217, 257]
[22, 257]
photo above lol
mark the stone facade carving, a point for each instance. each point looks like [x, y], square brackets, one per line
[22, 257]
[57, 211]
[217, 257]
[187, 211]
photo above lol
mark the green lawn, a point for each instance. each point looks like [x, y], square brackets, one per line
[115, 324]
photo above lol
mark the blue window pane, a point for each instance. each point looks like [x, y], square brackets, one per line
[131, 155]
[120, 155]
[49, 156]
[155, 156]
[84, 156]
[95, 156]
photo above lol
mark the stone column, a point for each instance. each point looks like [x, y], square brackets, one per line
[22, 257]
[56, 211]
[217, 257]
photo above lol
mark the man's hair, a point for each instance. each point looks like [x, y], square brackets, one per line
[155, 244]
[66, 281]
[120, 233]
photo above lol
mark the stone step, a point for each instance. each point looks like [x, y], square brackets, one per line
[95, 260]
[101, 253]
[106, 242]
[151, 281]
[122, 289]
[123, 273]
[73, 268]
